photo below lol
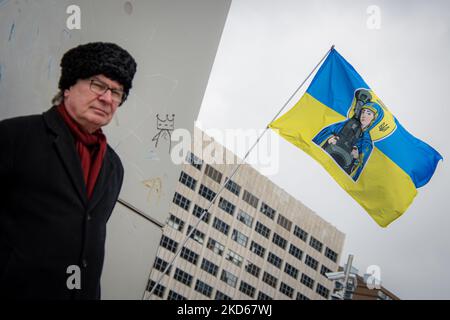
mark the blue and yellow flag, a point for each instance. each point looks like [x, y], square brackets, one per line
[343, 124]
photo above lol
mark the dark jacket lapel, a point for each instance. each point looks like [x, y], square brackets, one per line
[65, 146]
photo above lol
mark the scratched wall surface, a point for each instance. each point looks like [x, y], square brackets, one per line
[174, 43]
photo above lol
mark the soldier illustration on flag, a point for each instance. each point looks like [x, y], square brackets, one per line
[349, 142]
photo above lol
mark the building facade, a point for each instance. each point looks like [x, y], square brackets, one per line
[255, 242]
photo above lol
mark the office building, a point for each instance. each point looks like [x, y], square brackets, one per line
[255, 242]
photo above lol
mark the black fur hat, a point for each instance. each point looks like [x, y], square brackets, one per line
[96, 58]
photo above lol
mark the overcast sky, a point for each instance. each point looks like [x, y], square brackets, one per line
[269, 46]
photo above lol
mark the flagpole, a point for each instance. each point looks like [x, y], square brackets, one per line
[301, 85]
[193, 229]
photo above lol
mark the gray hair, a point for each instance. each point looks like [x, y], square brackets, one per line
[58, 98]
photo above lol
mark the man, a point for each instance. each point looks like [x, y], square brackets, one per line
[60, 180]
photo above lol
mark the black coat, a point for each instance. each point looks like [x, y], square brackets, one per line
[46, 221]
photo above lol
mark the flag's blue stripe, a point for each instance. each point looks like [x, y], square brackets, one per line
[334, 86]
[335, 83]
[414, 156]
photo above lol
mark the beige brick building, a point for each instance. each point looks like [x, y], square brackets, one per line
[256, 241]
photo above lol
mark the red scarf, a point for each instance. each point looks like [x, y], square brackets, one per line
[91, 149]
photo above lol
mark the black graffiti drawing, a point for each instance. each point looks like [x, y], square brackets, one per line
[165, 127]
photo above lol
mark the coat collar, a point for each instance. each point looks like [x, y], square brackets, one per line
[65, 146]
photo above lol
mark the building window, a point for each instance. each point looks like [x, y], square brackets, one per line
[250, 199]
[239, 237]
[291, 270]
[159, 291]
[284, 222]
[221, 296]
[287, 290]
[189, 255]
[198, 211]
[252, 269]
[221, 226]
[181, 201]
[321, 290]
[234, 258]
[196, 235]
[215, 246]
[296, 252]
[187, 180]
[279, 241]
[307, 281]
[206, 193]
[262, 230]
[226, 206]
[324, 270]
[245, 218]
[311, 262]
[209, 267]
[269, 279]
[213, 174]
[257, 249]
[301, 296]
[247, 289]
[268, 211]
[194, 161]
[175, 223]
[203, 288]
[233, 187]
[169, 244]
[275, 260]
[263, 296]
[228, 278]
[330, 254]
[183, 277]
[316, 244]
[175, 296]
[300, 233]
[161, 265]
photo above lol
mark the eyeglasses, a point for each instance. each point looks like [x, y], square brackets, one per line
[100, 88]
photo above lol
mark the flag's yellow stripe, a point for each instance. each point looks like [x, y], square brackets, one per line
[383, 188]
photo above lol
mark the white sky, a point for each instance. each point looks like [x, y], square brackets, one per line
[269, 46]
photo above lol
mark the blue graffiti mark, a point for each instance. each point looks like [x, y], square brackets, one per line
[11, 32]
[67, 33]
[49, 67]
[3, 2]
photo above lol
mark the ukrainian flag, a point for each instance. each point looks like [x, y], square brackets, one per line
[343, 124]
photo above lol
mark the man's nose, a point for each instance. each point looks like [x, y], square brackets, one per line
[106, 96]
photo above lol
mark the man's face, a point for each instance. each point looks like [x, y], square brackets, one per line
[367, 116]
[89, 109]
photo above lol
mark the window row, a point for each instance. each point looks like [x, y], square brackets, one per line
[231, 279]
[245, 218]
[242, 240]
[227, 206]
